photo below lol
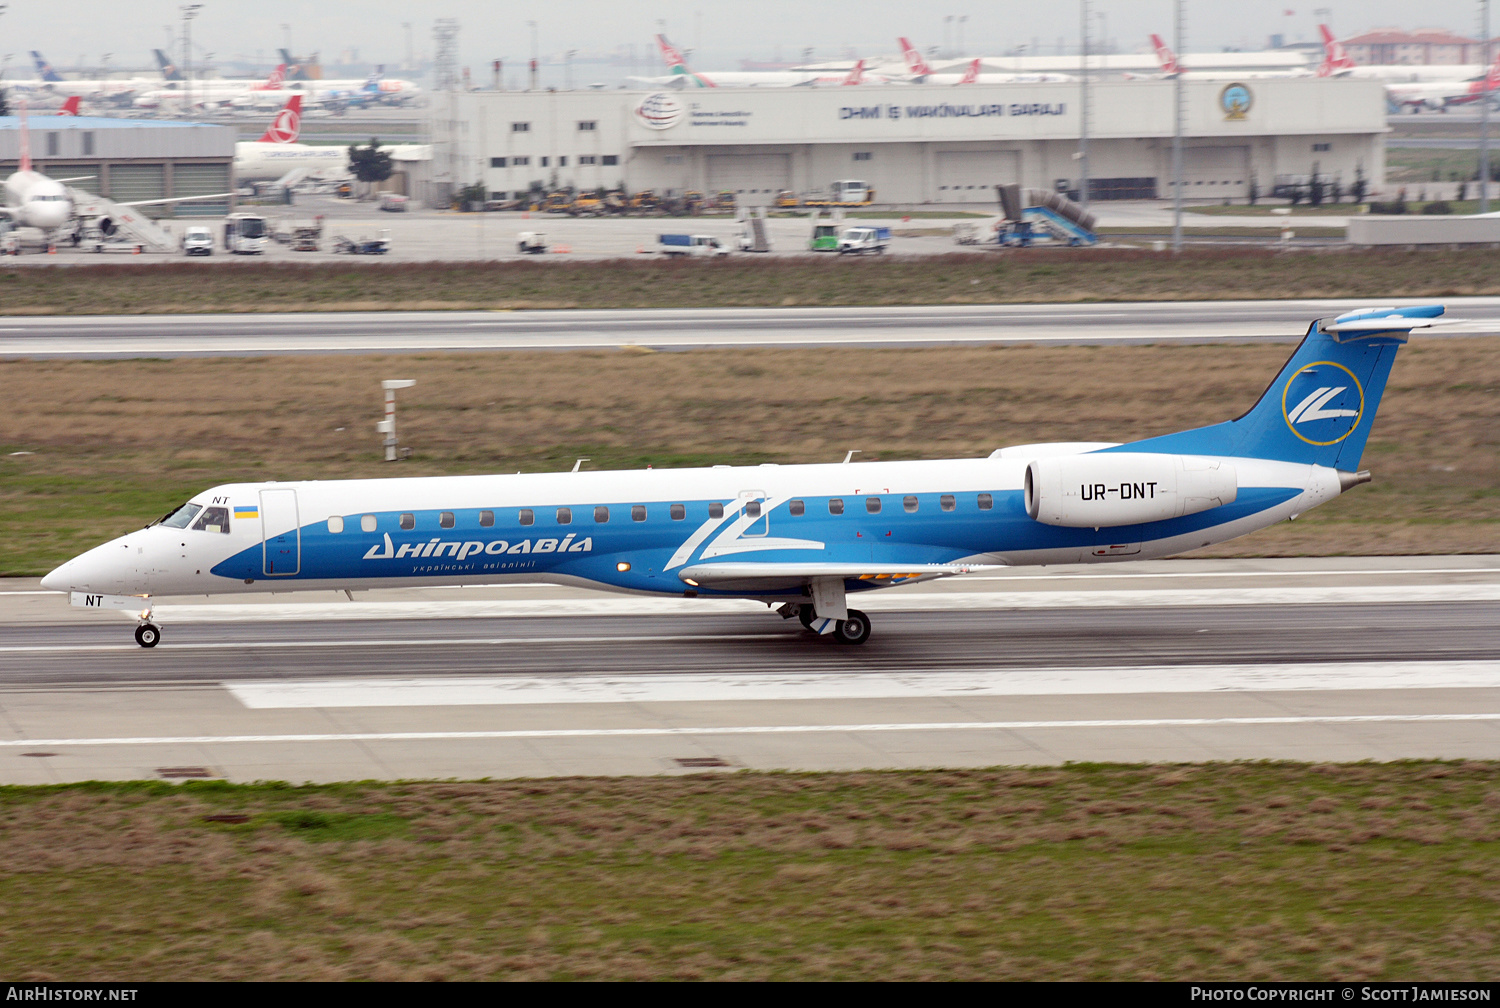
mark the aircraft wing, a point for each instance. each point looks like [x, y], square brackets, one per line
[751, 576]
[177, 199]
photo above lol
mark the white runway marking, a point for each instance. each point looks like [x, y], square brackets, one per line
[544, 733]
[875, 602]
[284, 645]
[699, 687]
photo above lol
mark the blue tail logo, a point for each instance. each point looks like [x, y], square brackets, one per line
[1323, 403]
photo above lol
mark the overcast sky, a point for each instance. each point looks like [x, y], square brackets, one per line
[722, 31]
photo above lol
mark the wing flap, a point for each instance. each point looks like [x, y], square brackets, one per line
[751, 576]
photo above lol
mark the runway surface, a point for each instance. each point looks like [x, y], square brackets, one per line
[1318, 660]
[119, 336]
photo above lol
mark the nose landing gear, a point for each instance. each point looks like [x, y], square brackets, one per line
[147, 635]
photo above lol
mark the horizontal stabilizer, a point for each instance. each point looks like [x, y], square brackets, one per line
[1388, 319]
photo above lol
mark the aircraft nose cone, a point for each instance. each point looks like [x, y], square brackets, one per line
[59, 579]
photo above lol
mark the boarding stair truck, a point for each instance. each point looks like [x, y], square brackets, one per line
[103, 223]
[245, 234]
[675, 246]
[754, 236]
[861, 239]
[1030, 215]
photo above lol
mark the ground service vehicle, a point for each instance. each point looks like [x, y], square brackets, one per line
[859, 240]
[844, 193]
[677, 245]
[531, 243]
[245, 234]
[197, 240]
[393, 202]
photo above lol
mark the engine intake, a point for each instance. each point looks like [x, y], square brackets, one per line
[1109, 489]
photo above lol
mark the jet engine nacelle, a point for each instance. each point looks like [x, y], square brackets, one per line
[1436, 103]
[1117, 488]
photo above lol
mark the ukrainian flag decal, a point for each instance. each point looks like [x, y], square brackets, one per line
[247, 511]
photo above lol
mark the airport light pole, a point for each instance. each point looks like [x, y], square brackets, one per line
[532, 26]
[189, 12]
[1484, 111]
[961, 19]
[1083, 129]
[1177, 109]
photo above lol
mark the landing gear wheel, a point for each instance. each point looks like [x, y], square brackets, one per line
[147, 635]
[805, 616]
[854, 630]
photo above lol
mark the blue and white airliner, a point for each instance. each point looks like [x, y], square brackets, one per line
[801, 538]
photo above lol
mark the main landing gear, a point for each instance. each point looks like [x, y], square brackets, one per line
[853, 630]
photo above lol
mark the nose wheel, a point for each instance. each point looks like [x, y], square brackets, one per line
[147, 635]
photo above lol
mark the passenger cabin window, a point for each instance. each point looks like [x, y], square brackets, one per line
[678, 512]
[528, 516]
[716, 510]
[601, 513]
[408, 521]
[445, 519]
[638, 512]
[367, 523]
[986, 502]
[835, 506]
[872, 505]
[946, 502]
[216, 519]
[910, 504]
[486, 519]
[564, 516]
[180, 517]
[796, 508]
[335, 523]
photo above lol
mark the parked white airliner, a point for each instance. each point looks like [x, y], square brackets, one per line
[278, 153]
[799, 537]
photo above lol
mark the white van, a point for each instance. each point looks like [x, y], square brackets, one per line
[197, 241]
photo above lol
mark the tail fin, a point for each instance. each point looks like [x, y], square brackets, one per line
[1320, 407]
[1166, 57]
[70, 107]
[670, 55]
[287, 125]
[275, 80]
[971, 75]
[856, 75]
[1335, 60]
[915, 64]
[25, 139]
[43, 68]
[169, 69]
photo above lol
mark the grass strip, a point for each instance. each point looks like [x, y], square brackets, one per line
[1242, 871]
[1019, 276]
[114, 444]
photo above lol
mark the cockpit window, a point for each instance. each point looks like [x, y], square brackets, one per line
[213, 519]
[180, 517]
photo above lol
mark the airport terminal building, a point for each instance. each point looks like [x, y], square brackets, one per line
[127, 159]
[916, 144]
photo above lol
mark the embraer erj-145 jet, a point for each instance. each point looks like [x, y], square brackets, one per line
[802, 538]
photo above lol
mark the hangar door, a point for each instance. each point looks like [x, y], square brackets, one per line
[749, 173]
[971, 176]
[1213, 173]
[201, 179]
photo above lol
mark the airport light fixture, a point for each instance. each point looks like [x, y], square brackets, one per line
[388, 425]
[189, 11]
